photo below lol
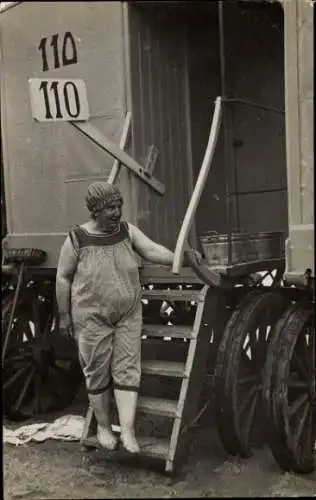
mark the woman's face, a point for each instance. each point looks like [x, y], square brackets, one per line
[109, 217]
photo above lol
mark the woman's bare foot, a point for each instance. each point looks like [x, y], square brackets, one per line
[106, 438]
[129, 441]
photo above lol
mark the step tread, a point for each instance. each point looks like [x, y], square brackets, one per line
[167, 331]
[158, 406]
[166, 368]
[184, 295]
[149, 446]
[154, 447]
[156, 273]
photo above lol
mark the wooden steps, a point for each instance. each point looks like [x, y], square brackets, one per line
[151, 447]
[154, 447]
[160, 362]
[163, 368]
[174, 295]
[180, 332]
[158, 406]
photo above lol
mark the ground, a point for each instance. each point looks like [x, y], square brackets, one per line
[55, 470]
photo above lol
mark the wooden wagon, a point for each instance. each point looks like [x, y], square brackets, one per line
[202, 113]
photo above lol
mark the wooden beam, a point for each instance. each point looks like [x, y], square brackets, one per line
[292, 108]
[110, 147]
[126, 130]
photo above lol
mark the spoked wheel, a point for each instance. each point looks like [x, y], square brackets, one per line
[289, 389]
[182, 313]
[271, 278]
[154, 310]
[34, 381]
[163, 312]
[223, 416]
[239, 370]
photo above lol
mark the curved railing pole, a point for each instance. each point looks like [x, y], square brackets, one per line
[198, 189]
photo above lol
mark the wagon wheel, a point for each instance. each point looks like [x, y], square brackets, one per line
[183, 313]
[279, 451]
[245, 370]
[34, 381]
[271, 278]
[223, 415]
[154, 310]
[5, 284]
[289, 390]
[240, 369]
[163, 311]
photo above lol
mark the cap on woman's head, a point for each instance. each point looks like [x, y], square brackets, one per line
[100, 194]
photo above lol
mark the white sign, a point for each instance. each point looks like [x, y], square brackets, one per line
[58, 99]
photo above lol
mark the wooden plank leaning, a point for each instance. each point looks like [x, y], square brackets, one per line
[110, 147]
[125, 133]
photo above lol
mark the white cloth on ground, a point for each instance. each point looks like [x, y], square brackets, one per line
[65, 428]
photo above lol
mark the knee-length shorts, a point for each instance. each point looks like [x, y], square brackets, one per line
[112, 355]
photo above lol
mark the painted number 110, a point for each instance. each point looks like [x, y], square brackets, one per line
[69, 94]
[68, 52]
[62, 99]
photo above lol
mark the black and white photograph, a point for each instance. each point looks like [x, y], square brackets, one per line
[158, 249]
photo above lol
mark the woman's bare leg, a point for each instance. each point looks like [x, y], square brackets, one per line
[126, 402]
[101, 407]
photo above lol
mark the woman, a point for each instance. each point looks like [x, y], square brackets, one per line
[99, 299]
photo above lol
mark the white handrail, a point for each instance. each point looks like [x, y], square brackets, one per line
[198, 189]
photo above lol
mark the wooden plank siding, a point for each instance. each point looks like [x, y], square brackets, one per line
[204, 87]
[299, 46]
[175, 79]
[157, 55]
[48, 166]
[254, 72]
[256, 66]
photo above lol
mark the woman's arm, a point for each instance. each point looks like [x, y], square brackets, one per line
[149, 249]
[66, 268]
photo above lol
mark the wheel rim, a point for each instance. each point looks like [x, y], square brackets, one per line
[271, 278]
[294, 395]
[223, 410]
[246, 348]
[31, 384]
[164, 312]
[21, 359]
[273, 435]
[250, 354]
[222, 414]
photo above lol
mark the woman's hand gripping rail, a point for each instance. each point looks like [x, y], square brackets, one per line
[152, 251]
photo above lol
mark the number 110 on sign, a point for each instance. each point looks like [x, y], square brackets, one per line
[58, 99]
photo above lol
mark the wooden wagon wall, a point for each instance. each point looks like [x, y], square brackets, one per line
[175, 66]
[160, 114]
[300, 118]
[49, 165]
[256, 138]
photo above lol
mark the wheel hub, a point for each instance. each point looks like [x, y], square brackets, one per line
[42, 358]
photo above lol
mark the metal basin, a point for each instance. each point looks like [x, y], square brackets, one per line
[246, 247]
